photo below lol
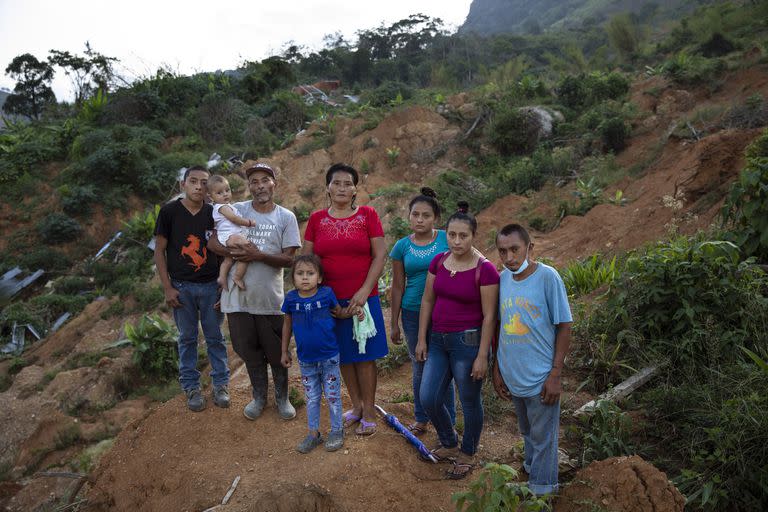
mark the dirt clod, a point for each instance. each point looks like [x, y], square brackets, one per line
[621, 484]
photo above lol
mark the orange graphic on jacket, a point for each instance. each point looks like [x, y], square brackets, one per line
[192, 251]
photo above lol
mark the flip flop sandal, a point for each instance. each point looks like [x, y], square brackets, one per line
[350, 418]
[459, 470]
[417, 430]
[366, 428]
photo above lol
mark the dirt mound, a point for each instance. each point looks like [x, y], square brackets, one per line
[176, 460]
[620, 484]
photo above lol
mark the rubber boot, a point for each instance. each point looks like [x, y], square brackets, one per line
[258, 377]
[284, 407]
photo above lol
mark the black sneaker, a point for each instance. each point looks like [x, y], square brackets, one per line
[195, 400]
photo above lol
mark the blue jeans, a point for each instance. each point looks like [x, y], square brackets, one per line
[450, 356]
[410, 321]
[539, 425]
[197, 300]
[318, 378]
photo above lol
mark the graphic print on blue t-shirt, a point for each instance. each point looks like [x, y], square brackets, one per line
[529, 311]
[313, 324]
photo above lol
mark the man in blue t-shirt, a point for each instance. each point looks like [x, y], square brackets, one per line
[534, 338]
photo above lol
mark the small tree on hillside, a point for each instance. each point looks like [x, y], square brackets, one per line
[33, 86]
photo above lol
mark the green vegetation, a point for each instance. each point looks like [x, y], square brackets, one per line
[583, 277]
[746, 208]
[154, 347]
[694, 304]
[606, 433]
[397, 357]
[495, 489]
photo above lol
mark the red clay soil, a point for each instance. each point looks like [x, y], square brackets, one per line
[178, 460]
[620, 484]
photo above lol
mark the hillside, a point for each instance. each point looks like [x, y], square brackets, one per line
[532, 17]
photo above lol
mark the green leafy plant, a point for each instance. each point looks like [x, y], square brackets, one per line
[583, 277]
[155, 352]
[746, 207]
[141, 226]
[495, 490]
[618, 198]
[590, 194]
[606, 433]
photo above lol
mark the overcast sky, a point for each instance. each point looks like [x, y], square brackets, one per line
[191, 35]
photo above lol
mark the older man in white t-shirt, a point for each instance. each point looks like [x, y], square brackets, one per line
[254, 315]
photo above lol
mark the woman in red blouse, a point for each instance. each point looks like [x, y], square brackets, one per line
[349, 240]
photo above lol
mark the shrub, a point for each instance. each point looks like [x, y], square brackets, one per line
[719, 427]
[692, 69]
[57, 228]
[286, 112]
[582, 91]
[71, 285]
[513, 131]
[118, 156]
[746, 207]
[387, 93]
[220, 118]
[614, 133]
[676, 294]
[45, 258]
[77, 199]
[155, 353]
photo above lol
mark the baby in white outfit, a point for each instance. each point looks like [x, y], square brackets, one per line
[229, 229]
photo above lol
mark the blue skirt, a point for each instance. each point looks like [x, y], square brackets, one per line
[375, 347]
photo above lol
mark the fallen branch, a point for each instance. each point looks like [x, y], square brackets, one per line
[231, 490]
[622, 390]
[61, 474]
[226, 496]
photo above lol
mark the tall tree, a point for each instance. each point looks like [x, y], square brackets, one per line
[88, 73]
[33, 86]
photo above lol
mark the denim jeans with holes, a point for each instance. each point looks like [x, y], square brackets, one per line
[410, 321]
[539, 426]
[451, 356]
[197, 300]
[322, 377]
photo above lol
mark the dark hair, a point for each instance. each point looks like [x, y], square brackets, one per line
[462, 214]
[515, 228]
[341, 168]
[427, 196]
[195, 168]
[312, 259]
